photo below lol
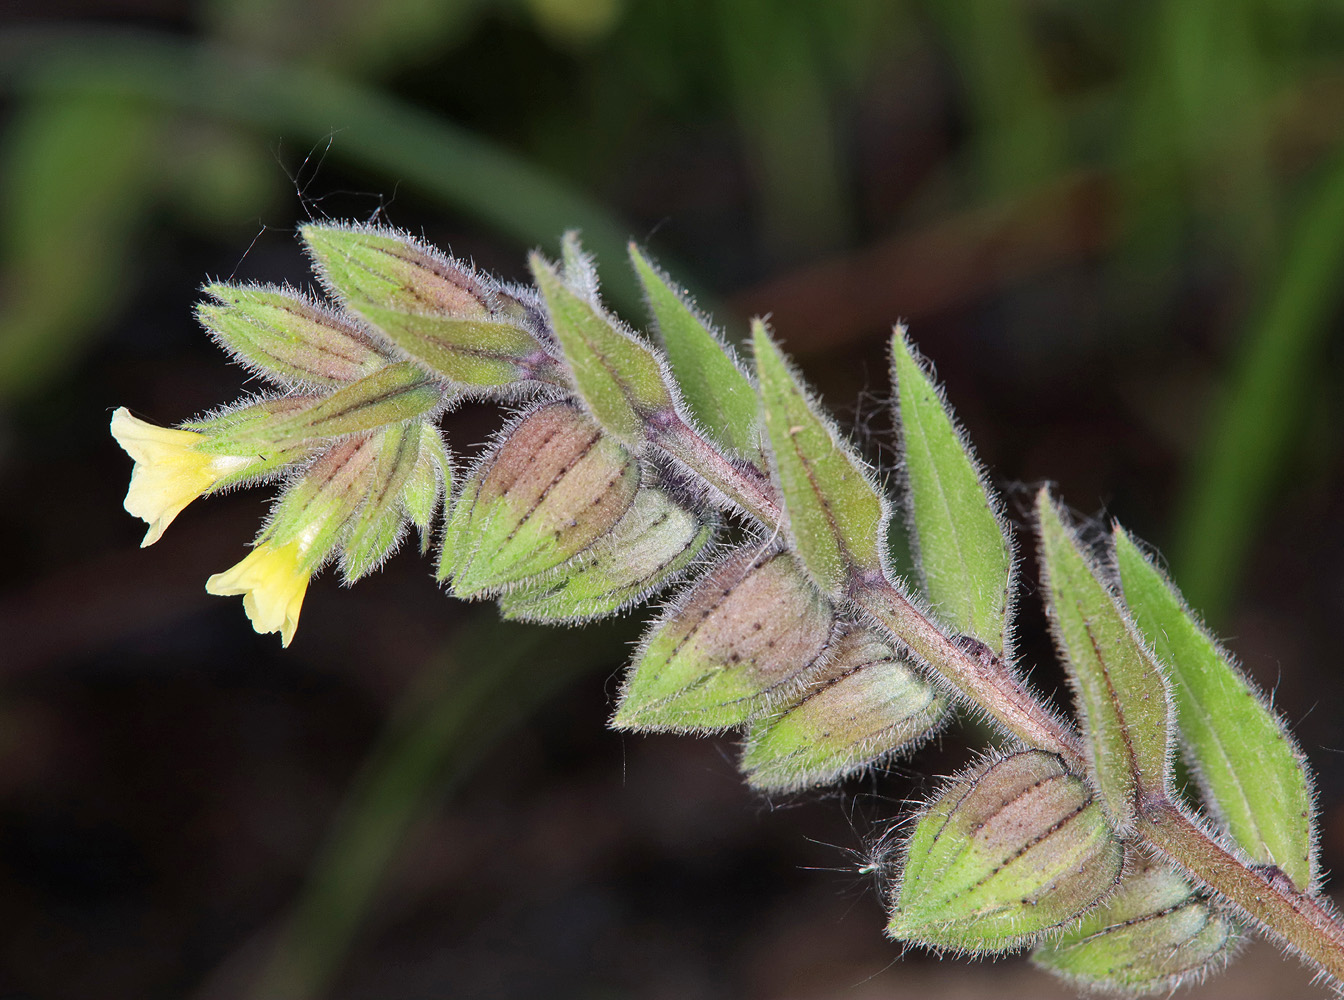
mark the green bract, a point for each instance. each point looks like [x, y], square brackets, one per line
[1007, 851]
[554, 486]
[862, 705]
[739, 639]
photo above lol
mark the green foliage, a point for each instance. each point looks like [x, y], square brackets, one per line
[1122, 695]
[618, 378]
[715, 390]
[1248, 766]
[836, 517]
[957, 525]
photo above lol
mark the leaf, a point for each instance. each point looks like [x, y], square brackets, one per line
[619, 379]
[1247, 764]
[862, 705]
[430, 481]
[655, 540]
[738, 639]
[1006, 851]
[837, 518]
[1153, 934]
[554, 486]
[716, 391]
[957, 524]
[1122, 696]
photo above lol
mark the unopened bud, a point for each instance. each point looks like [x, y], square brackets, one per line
[380, 522]
[1007, 851]
[655, 540]
[553, 487]
[282, 335]
[438, 310]
[862, 705]
[735, 643]
[1154, 933]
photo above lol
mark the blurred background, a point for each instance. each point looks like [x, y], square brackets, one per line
[1116, 227]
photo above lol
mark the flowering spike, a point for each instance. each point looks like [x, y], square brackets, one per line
[170, 470]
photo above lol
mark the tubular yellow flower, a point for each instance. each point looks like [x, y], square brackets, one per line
[169, 471]
[272, 579]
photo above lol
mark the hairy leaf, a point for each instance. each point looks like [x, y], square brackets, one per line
[716, 391]
[837, 518]
[1122, 695]
[956, 520]
[378, 526]
[1249, 767]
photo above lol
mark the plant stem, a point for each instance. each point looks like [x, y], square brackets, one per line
[1302, 923]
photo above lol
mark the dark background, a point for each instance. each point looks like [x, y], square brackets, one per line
[1116, 227]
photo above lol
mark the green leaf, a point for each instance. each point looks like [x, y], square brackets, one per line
[280, 334]
[1007, 851]
[739, 639]
[1153, 934]
[1121, 693]
[1247, 764]
[837, 518]
[716, 391]
[619, 379]
[553, 487]
[957, 523]
[655, 540]
[864, 704]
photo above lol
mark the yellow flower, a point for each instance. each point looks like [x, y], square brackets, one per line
[169, 472]
[272, 580]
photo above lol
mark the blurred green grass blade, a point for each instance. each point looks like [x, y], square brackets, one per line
[1253, 426]
[467, 699]
[65, 226]
[1247, 763]
[957, 523]
[371, 130]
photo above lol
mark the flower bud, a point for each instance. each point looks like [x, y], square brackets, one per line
[736, 641]
[285, 337]
[1154, 933]
[1008, 850]
[655, 540]
[861, 705]
[553, 486]
[378, 525]
[439, 311]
